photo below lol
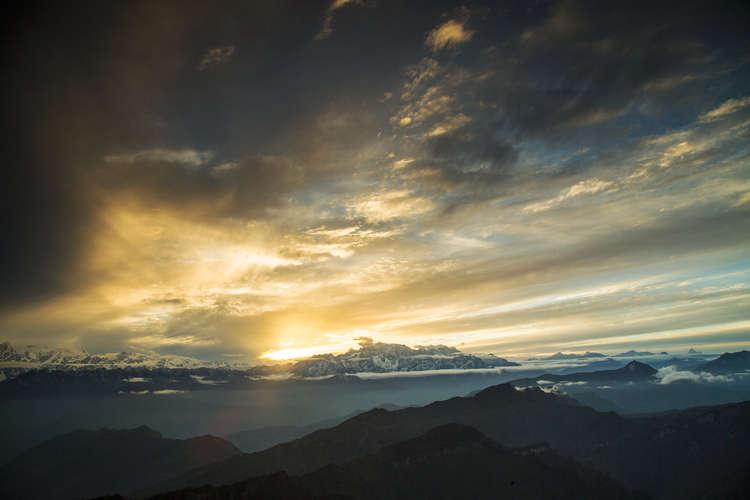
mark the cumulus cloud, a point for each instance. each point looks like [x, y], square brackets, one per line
[669, 374]
[216, 56]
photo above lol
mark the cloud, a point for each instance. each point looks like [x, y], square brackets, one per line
[449, 35]
[218, 55]
[335, 5]
[587, 187]
[186, 157]
[215, 214]
[365, 341]
[385, 206]
[728, 107]
[669, 374]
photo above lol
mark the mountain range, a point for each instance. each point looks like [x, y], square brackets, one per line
[371, 357]
[603, 441]
[76, 356]
[507, 440]
[449, 461]
[631, 354]
[559, 356]
[632, 372]
[379, 357]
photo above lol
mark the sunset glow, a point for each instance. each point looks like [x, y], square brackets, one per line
[277, 179]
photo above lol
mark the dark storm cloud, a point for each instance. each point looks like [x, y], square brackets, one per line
[586, 75]
[81, 81]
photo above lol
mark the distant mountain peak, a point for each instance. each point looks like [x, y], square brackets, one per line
[727, 363]
[631, 353]
[498, 392]
[638, 368]
[381, 357]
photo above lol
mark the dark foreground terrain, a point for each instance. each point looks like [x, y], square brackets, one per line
[499, 442]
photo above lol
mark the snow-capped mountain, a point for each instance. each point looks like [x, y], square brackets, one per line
[372, 357]
[77, 356]
[379, 357]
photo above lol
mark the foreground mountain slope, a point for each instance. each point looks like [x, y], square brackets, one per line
[88, 463]
[701, 453]
[455, 461]
[695, 453]
[450, 461]
[508, 416]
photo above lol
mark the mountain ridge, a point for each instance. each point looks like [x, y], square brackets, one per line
[649, 453]
[86, 463]
[371, 357]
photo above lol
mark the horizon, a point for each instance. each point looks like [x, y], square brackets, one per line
[360, 345]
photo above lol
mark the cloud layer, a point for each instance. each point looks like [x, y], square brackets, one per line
[206, 180]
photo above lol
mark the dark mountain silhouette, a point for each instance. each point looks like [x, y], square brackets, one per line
[456, 461]
[508, 416]
[254, 440]
[260, 439]
[595, 401]
[28, 422]
[450, 461]
[90, 463]
[101, 380]
[727, 363]
[634, 371]
[607, 442]
[699, 453]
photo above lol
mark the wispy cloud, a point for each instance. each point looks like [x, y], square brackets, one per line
[218, 55]
[587, 187]
[187, 157]
[728, 107]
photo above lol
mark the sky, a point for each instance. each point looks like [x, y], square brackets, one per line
[258, 180]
